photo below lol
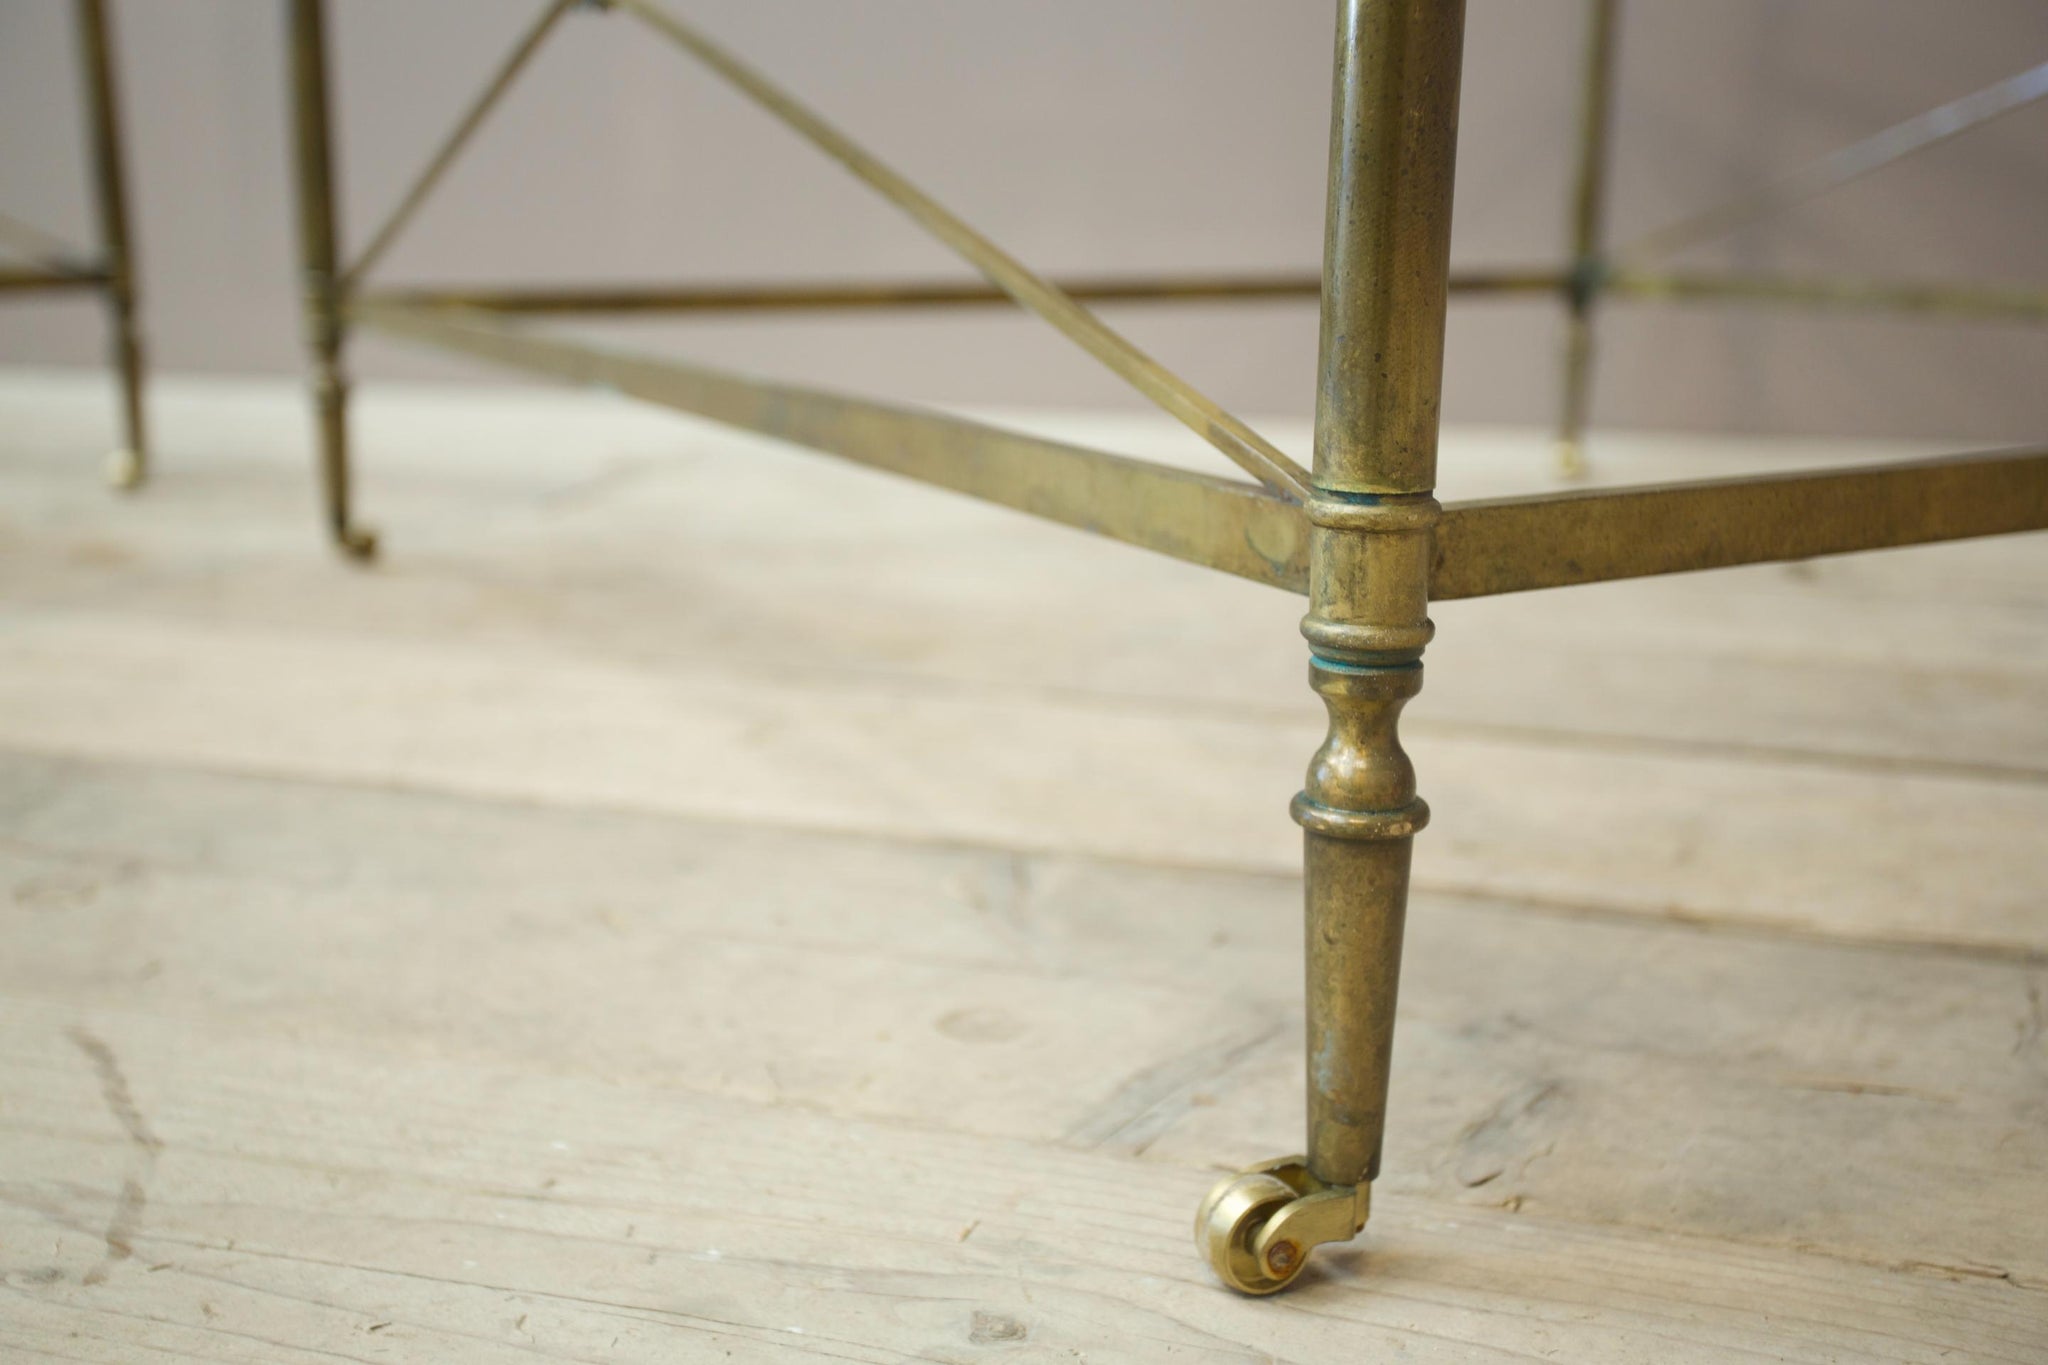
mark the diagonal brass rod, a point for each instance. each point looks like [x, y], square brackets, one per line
[1243, 446]
[32, 243]
[457, 139]
[1224, 524]
[1849, 163]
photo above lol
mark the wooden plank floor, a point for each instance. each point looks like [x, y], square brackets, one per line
[694, 901]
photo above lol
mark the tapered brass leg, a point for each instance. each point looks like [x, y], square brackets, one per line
[1385, 279]
[129, 463]
[1576, 398]
[319, 260]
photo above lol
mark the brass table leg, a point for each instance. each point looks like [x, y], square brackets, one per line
[1588, 275]
[1385, 279]
[318, 249]
[128, 464]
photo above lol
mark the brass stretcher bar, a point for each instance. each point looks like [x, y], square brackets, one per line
[916, 293]
[1558, 539]
[1360, 534]
[55, 265]
[59, 277]
[1482, 548]
[1989, 302]
[1240, 528]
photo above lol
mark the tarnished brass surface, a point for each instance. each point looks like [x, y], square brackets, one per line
[1359, 813]
[1393, 144]
[1387, 243]
[1359, 810]
[1514, 544]
[1237, 527]
[319, 256]
[1238, 442]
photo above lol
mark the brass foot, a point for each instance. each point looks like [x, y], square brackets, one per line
[124, 470]
[1571, 460]
[357, 542]
[1257, 1227]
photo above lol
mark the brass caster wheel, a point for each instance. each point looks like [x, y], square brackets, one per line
[124, 470]
[1256, 1228]
[358, 543]
[1227, 1228]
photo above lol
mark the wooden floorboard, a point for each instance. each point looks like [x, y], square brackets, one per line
[1819, 847]
[691, 901]
[373, 1204]
[1782, 1092]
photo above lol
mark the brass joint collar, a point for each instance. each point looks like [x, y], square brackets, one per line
[1589, 274]
[1373, 512]
[1356, 645]
[1369, 565]
[1366, 825]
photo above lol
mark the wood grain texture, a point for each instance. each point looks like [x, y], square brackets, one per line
[1784, 1093]
[1711, 835]
[400, 1207]
[694, 903]
[597, 605]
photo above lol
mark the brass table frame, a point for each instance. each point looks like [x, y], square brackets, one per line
[53, 265]
[1360, 534]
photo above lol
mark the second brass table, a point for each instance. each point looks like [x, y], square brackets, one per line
[54, 265]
